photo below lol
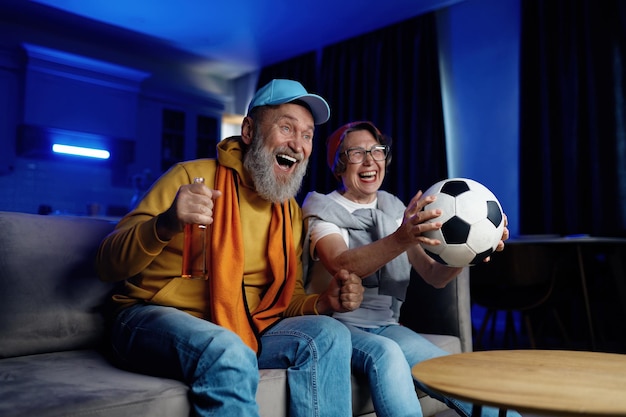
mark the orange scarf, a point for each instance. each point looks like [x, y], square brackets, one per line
[228, 304]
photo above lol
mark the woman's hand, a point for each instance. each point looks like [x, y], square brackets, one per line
[416, 221]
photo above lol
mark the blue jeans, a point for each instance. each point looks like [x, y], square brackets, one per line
[223, 373]
[386, 355]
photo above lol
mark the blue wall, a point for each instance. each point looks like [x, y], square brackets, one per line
[44, 88]
[479, 44]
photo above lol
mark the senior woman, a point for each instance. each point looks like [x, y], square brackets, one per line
[371, 233]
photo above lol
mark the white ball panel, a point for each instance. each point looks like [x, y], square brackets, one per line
[435, 234]
[446, 203]
[483, 236]
[471, 207]
[457, 255]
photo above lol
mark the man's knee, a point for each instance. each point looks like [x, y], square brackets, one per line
[231, 345]
[321, 333]
[333, 335]
[329, 328]
[334, 327]
[222, 349]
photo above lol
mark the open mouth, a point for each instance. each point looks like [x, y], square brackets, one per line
[285, 161]
[367, 175]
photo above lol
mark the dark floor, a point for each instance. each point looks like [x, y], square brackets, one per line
[573, 299]
[546, 329]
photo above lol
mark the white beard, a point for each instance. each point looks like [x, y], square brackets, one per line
[259, 162]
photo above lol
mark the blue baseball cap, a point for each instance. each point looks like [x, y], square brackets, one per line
[285, 91]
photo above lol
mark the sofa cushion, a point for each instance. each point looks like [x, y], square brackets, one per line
[47, 262]
[83, 383]
[271, 394]
[450, 344]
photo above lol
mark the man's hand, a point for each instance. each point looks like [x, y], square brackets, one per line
[193, 204]
[344, 293]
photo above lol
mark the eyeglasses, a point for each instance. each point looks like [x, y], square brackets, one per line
[358, 155]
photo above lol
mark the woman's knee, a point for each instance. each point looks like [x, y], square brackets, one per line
[390, 347]
[378, 353]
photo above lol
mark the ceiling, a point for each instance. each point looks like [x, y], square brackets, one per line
[241, 36]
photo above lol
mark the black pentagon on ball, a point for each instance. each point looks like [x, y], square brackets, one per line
[455, 187]
[455, 230]
[481, 257]
[494, 214]
[435, 257]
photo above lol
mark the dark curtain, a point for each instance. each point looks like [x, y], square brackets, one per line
[572, 135]
[391, 77]
[302, 68]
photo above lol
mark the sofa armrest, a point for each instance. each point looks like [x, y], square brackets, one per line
[440, 311]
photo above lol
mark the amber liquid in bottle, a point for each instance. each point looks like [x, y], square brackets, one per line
[195, 249]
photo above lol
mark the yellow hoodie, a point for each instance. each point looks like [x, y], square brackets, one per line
[151, 268]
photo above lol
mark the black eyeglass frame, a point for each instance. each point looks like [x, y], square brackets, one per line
[380, 147]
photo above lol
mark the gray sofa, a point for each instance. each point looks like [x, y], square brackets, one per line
[52, 361]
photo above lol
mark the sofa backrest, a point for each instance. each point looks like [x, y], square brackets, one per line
[50, 295]
[440, 310]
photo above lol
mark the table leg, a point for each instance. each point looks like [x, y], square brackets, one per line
[583, 283]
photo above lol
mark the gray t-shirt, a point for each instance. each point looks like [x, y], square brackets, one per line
[375, 310]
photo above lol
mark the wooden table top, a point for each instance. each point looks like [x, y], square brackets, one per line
[554, 382]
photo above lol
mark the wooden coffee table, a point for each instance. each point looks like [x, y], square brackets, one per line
[549, 382]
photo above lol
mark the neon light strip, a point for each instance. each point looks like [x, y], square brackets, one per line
[80, 151]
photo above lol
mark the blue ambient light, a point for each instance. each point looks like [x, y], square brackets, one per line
[81, 151]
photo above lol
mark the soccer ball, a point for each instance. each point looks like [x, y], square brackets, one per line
[472, 219]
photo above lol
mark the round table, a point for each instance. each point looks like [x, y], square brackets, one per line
[554, 382]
